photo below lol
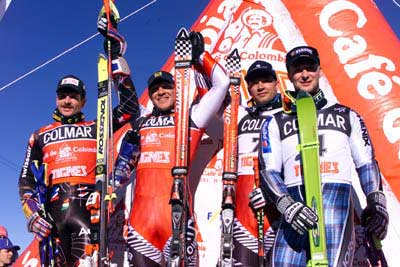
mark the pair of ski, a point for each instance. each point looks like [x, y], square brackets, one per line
[179, 195]
[98, 250]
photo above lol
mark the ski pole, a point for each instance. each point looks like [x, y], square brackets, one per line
[375, 254]
[260, 217]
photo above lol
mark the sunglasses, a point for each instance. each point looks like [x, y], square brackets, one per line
[155, 87]
[64, 95]
[310, 67]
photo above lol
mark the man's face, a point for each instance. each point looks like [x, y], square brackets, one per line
[263, 89]
[304, 74]
[6, 256]
[255, 22]
[162, 95]
[69, 103]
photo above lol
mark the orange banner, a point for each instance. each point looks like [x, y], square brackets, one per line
[360, 58]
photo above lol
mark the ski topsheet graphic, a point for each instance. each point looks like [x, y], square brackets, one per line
[99, 225]
[179, 194]
[229, 175]
[309, 151]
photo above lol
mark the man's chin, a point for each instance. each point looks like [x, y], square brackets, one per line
[67, 114]
[165, 109]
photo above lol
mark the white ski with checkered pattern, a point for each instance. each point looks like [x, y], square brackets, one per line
[229, 175]
[183, 77]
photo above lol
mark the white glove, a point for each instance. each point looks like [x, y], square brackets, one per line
[39, 226]
[257, 199]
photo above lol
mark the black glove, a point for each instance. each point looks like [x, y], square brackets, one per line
[375, 216]
[197, 41]
[117, 41]
[300, 217]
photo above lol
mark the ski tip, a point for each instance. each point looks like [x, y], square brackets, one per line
[233, 61]
[234, 53]
[102, 57]
[182, 34]
[113, 9]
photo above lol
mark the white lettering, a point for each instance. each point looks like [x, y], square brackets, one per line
[84, 149]
[389, 126]
[26, 162]
[371, 62]
[155, 156]
[348, 48]
[374, 80]
[84, 231]
[288, 127]
[69, 171]
[69, 132]
[167, 135]
[335, 7]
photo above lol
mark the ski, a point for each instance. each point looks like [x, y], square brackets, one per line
[100, 214]
[178, 201]
[309, 150]
[260, 217]
[229, 174]
[99, 226]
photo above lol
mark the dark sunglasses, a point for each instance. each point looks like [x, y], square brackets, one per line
[155, 87]
[73, 95]
[311, 67]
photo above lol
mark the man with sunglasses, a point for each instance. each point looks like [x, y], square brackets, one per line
[63, 155]
[150, 227]
[343, 139]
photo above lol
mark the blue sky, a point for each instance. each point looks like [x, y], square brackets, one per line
[32, 34]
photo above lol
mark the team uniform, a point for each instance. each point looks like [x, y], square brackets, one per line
[68, 148]
[245, 226]
[343, 139]
[150, 217]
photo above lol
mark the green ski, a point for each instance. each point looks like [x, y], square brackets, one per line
[309, 150]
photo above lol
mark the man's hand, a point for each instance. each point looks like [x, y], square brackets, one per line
[197, 41]
[257, 199]
[375, 217]
[117, 40]
[300, 217]
[39, 226]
